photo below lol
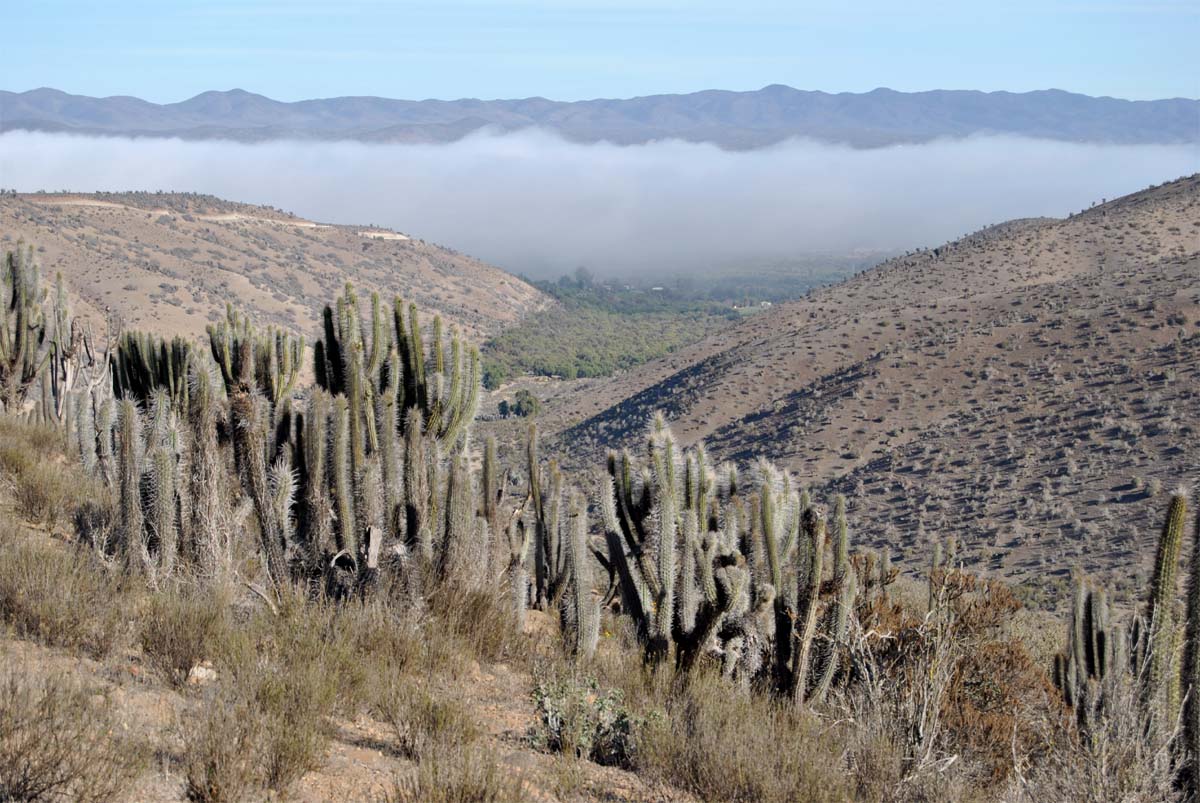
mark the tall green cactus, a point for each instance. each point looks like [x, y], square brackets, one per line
[259, 371]
[546, 498]
[1086, 671]
[358, 357]
[418, 493]
[464, 550]
[268, 484]
[129, 459]
[143, 363]
[516, 575]
[24, 330]
[808, 600]
[698, 564]
[209, 536]
[845, 592]
[271, 359]
[1160, 687]
[165, 491]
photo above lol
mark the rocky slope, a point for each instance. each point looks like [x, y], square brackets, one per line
[169, 263]
[1030, 388]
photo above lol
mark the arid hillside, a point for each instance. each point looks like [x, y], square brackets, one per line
[1029, 388]
[169, 263]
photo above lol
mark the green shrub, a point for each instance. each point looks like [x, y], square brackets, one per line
[578, 718]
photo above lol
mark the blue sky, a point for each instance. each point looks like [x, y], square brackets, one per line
[168, 50]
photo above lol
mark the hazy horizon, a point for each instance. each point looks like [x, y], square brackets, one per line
[534, 203]
[573, 50]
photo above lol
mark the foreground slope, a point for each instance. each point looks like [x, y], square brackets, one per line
[1028, 388]
[169, 263]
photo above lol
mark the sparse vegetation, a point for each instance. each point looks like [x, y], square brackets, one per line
[309, 567]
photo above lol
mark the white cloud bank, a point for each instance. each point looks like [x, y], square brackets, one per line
[534, 203]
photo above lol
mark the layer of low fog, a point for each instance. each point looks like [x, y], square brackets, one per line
[534, 203]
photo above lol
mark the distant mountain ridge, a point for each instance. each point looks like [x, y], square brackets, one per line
[736, 120]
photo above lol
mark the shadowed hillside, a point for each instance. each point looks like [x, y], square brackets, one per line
[1024, 387]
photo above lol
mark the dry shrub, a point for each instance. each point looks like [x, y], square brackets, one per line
[221, 754]
[181, 627]
[721, 743]
[57, 742]
[424, 724]
[263, 731]
[281, 675]
[61, 598]
[15, 457]
[46, 486]
[45, 493]
[389, 639]
[1119, 758]
[993, 704]
[459, 776]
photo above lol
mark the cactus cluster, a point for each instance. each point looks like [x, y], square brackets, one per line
[1087, 669]
[368, 476]
[1159, 652]
[143, 364]
[703, 566]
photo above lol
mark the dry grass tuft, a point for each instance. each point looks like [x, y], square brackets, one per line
[720, 743]
[459, 776]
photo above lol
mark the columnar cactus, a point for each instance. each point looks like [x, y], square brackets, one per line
[464, 551]
[1160, 686]
[272, 358]
[1086, 670]
[130, 452]
[516, 576]
[165, 492]
[702, 569]
[493, 487]
[358, 357]
[1190, 676]
[808, 597]
[208, 526]
[581, 609]
[24, 347]
[545, 496]
[143, 363]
